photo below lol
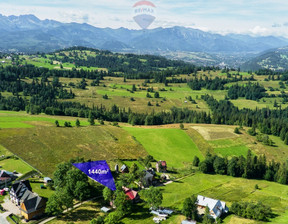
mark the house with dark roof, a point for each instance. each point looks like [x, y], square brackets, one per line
[18, 189]
[216, 207]
[32, 206]
[6, 178]
[124, 169]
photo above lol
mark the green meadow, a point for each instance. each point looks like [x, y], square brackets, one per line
[24, 120]
[171, 145]
[229, 147]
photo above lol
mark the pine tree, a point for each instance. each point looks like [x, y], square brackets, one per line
[91, 118]
[77, 123]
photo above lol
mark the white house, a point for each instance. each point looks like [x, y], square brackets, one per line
[216, 207]
[18, 189]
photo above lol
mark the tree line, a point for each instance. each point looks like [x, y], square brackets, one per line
[251, 167]
[216, 83]
[251, 91]
[268, 121]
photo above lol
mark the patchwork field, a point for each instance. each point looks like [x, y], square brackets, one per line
[214, 132]
[119, 93]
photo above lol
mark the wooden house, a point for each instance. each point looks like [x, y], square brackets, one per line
[32, 206]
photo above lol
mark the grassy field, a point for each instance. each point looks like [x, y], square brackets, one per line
[229, 189]
[163, 143]
[229, 147]
[81, 215]
[119, 93]
[43, 145]
[263, 103]
[10, 119]
[15, 164]
[45, 192]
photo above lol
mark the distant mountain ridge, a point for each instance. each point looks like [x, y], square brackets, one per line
[275, 59]
[27, 33]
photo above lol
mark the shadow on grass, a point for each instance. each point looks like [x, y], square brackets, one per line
[79, 214]
[139, 213]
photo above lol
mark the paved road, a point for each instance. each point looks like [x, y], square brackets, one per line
[3, 217]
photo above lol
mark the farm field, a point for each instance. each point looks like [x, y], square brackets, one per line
[36, 139]
[43, 145]
[163, 143]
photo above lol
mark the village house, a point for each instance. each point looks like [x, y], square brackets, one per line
[216, 207]
[147, 179]
[18, 189]
[161, 166]
[32, 206]
[133, 195]
[124, 169]
[6, 178]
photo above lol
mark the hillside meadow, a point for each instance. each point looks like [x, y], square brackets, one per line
[43, 146]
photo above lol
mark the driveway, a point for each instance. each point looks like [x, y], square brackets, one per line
[10, 207]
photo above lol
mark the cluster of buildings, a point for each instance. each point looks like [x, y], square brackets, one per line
[30, 204]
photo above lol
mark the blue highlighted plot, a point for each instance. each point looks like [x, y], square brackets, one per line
[99, 171]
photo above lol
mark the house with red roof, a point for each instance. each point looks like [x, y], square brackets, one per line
[161, 166]
[132, 195]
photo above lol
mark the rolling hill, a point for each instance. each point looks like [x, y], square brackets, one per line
[275, 59]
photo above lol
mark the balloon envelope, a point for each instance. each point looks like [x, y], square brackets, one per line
[144, 13]
[144, 21]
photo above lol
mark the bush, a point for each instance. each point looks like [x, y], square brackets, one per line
[237, 131]
[250, 210]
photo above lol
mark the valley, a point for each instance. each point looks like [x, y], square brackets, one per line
[75, 105]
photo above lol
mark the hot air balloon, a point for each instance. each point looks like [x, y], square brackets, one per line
[144, 13]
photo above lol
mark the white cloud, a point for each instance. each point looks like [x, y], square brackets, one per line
[258, 30]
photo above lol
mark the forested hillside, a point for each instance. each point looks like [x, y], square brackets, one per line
[141, 89]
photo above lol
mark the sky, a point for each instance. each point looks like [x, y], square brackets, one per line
[254, 17]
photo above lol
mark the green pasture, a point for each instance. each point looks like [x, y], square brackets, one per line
[229, 147]
[172, 145]
[24, 120]
[46, 146]
[263, 103]
[229, 189]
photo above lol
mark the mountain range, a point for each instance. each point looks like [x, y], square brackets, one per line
[27, 33]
